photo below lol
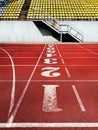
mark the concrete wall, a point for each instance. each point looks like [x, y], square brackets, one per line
[21, 31]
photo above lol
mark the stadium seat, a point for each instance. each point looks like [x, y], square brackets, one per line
[44, 9]
[69, 9]
[12, 10]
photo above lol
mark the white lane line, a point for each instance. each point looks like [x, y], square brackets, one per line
[92, 52]
[15, 65]
[50, 125]
[13, 82]
[50, 80]
[78, 98]
[71, 57]
[53, 65]
[17, 47]
[67, 71]
[81, 57]
[63, 62]
[83, 65]
[11, 118]
[19, 57]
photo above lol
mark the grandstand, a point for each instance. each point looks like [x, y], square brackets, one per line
[63, 20]
[59, 17]
[45, 9]
[49, 64]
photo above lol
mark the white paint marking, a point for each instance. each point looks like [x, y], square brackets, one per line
[50, 61]
[67, 71]
[17, 65]
[63, 62]
[50, 45]
[50, 99]
[71, 57]
[83, 65]
[51, 51]
[50, 72]
[49, 55]
[10, 120]
[56, 65]
[60, 56]
[13, 82]
[88, 50]
[78, 98]
[50, 125]
[49, 48]
[36, 80]
[20, 57]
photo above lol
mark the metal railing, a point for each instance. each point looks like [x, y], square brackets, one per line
[63, 29]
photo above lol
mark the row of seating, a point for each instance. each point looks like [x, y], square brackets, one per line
[59, 9]
[12, 11]
[3, 4]
[66, 9]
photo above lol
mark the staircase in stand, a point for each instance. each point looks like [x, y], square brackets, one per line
[64, 29]
[24, 10]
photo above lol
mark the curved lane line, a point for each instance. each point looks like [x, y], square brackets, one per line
[13, 82]
[13, 114]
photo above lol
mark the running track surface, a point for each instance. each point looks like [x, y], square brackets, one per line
[49, 86]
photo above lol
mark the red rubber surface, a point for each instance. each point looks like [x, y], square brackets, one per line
[81, 61]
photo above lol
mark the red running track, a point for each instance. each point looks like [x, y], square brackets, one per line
[49, 86]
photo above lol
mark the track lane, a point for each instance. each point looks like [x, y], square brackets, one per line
[14, 112]
[65, 84]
